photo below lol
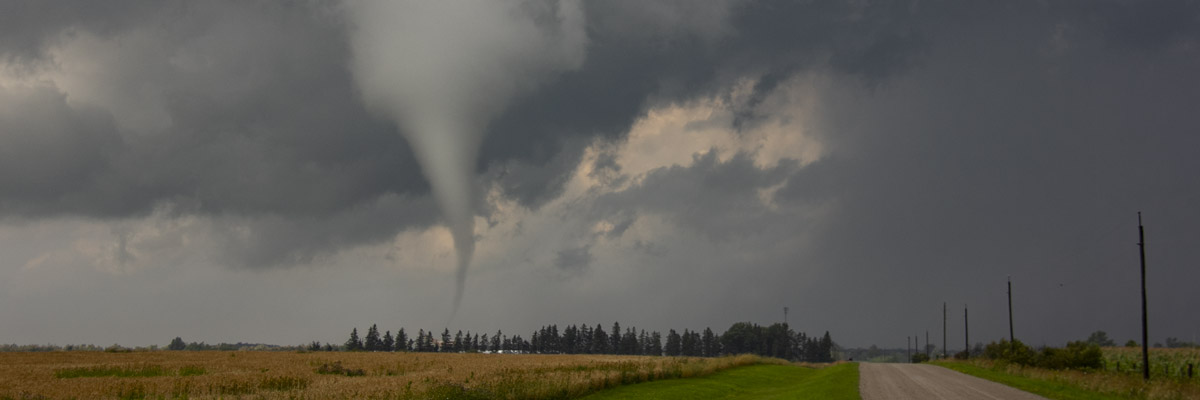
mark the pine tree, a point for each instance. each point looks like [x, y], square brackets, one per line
[388, 343]
[629, 342]
[687, 346]
[599, 340]
[446, 341]
[656, 348]
[372, 342]
[708, 343]
[614, 339]
[569, 338]
[826, 348]
[401, 340]
[673, 343]
[354, 344]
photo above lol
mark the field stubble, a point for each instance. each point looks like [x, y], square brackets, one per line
[212, 374]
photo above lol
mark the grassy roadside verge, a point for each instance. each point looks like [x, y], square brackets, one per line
[1072, 385]
[1052, 389]
[756, 381]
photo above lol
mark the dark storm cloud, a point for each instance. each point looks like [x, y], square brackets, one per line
[1022, 152]
[966, 142]
[264, 123]
[962, 142]
[574, 259]
[641, 54]
[264, 120]
[718, 199]
[50, 151]
[27, 27]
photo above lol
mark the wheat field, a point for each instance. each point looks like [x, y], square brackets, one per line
[322, 375]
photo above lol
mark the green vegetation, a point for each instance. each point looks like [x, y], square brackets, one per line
[1074, 384]
[283, 382]
[755, 381]
[139, 371]
[127, 371]
[1082, 356]
[1164, 363]
[337, 369]
[191, 370]
[1052, 389]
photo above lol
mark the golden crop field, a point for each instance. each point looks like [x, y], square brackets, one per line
[321, 375]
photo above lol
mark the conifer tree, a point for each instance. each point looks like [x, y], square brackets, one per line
[372, 342]
[388, 344]
[401, 340]
[687, 346]
[673, 343]
[709, 344]
[614, 339]
[599, 340]
[354, 344]
[656, 347]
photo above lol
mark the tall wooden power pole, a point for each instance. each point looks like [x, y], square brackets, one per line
[943, 329]
[966, 332]
[1145, 333]
[1012, 342]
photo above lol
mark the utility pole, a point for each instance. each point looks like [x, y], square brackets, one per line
[926, 343]
[785, 316]
[908, 348]
[1012, 342]
[1145, 333]
[966, 333]
[943, 329]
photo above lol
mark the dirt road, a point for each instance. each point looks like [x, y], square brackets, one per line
[924, 381]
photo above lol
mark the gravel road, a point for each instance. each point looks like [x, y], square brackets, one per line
[924, 381]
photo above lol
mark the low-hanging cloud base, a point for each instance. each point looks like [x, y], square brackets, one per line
[220, 177]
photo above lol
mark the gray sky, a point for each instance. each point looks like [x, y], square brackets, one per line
[212, 169]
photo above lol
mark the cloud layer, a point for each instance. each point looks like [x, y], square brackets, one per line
[687, 166]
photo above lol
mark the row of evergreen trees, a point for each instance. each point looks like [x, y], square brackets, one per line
[776, 340]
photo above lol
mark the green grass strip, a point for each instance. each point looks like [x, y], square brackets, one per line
[141, 371]
[750, 382]
[1048, 389]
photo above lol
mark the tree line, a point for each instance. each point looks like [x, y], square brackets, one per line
[776, 340]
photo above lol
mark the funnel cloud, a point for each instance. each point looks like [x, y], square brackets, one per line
[443, 70]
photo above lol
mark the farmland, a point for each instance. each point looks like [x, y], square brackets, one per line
[1164, 363]
[1168, 376]
[255, 374]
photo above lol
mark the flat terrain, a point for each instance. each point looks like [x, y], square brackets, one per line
[751, 382]
[322, 375]
[924, 381]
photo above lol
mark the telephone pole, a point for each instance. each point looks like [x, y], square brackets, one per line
[966, 332]
[908, 348]
[1145, 334]
[785, 316]
[926, 343]
[1012, 342]
[943, 329]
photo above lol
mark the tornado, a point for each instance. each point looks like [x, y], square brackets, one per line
[442, 70]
